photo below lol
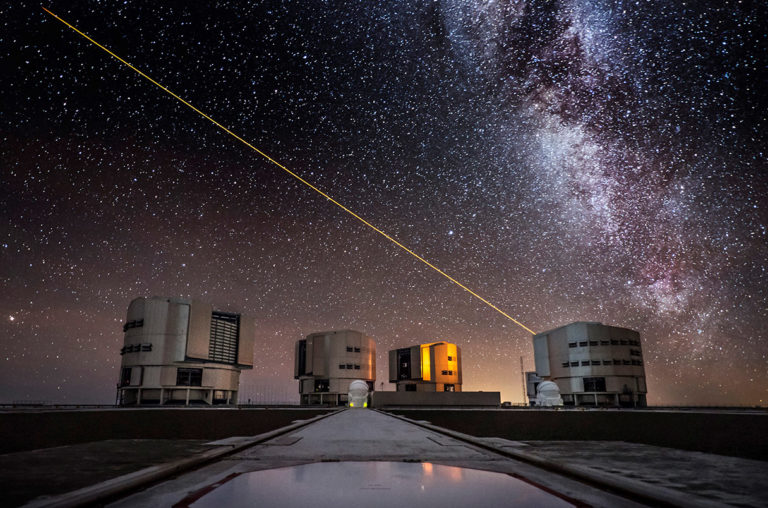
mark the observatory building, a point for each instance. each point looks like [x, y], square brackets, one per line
[434, 367]
[592, 364]
[327, 363]
[179, 351]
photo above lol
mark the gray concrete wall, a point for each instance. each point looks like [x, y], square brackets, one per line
[199, 335]
[462, 399]
[726, 433]
[33, 430]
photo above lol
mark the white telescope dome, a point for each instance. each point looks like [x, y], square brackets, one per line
[548, 394]
[358, 393]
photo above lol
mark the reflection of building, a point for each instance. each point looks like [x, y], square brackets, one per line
[183, 352]
[327, 362]
[434, 367]
[592, 364]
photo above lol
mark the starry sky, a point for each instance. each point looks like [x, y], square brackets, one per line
[569, 160]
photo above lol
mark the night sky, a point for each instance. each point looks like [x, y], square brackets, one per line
[568, 160]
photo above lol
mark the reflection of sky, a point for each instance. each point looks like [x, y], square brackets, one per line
[376, 484]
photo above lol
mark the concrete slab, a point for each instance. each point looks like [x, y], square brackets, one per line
[357, 437]
[703, 477]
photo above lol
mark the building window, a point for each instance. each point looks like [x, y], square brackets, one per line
[626, 362]
[617, 362]
[445, 373]
[404, 362]
[349, 366]
[357, 367]
[410, 388]
[349, 349]
[449, 388]
[584, 363]
[189, 377]
[125, 376]
[321, 385]
[595, 362]
[342, 366]
[357, 350]
[302, 357]
[623, 342]
[605, 342]
[574, 364]
[133, 324]
[572, 344]
[607, 362]
[593, 343]
[594, 384]
[583, 343]
[225, 332]
[614, 342]
[450, 358]
[566, 364]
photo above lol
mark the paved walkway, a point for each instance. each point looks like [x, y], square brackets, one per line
[361, 436]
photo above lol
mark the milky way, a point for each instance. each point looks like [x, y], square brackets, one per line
[572, 160]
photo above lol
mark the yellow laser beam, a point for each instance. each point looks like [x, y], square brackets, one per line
[296, 176]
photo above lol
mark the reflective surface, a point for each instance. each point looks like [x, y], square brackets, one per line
[373, 484]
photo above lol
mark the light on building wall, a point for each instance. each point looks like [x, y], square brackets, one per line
[426, 373]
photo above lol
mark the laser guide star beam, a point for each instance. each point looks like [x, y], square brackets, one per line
[293, 174]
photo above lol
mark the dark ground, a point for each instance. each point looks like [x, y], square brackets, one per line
[27, 475]
[735, 433]
[31, 430]
[47, 452]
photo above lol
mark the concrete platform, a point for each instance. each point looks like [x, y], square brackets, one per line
[361, 436]
[368, 452]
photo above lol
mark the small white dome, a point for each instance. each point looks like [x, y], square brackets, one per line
[358, 393]
[358, 386]
[548, 394]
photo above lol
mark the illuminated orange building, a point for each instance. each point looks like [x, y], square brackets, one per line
[433, 367]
